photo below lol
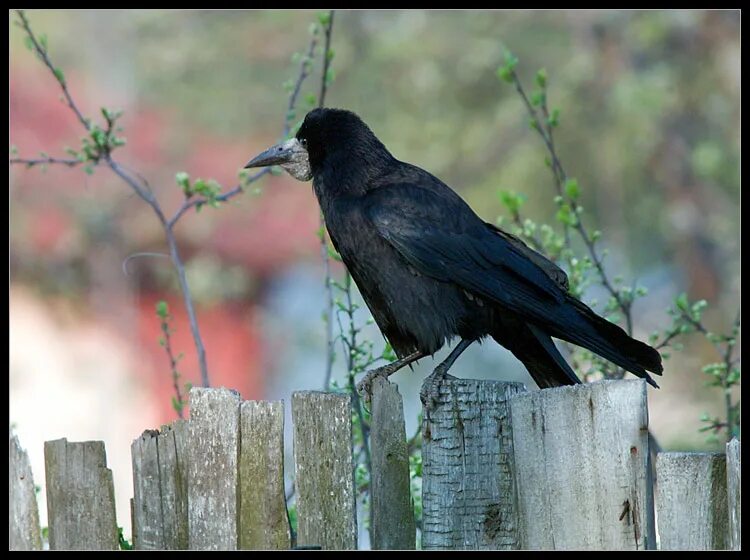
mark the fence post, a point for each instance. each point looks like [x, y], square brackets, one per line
[160, 517]
[263, 517]
[23, 514]
[734, 491]
[468, 491]
[324, 470]
[691, 501]
[213, 446]
[393, 525]
[80, 496]
[582, 461]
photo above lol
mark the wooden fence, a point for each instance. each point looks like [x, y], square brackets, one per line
[503, 468]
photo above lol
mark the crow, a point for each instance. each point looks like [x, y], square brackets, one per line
[430, 269]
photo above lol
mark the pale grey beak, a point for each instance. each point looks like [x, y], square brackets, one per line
[291, 155]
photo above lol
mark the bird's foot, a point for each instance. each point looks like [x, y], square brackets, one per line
[364, 387]
[430, 393]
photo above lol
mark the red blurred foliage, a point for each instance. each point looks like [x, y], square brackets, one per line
[234, 349]
[263, 235]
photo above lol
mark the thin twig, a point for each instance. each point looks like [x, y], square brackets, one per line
[560, 179]
[45, 161]
[42, 52]
[179, 399]
[137, 255]
[323, 241]
[326, 60]
[141, 187]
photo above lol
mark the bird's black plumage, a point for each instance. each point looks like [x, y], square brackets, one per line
[430, 269]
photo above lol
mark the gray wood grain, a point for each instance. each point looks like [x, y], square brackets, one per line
[734, 493]
[691, 501]
[393, 525]
[468, 488]
[160, 489]
[263, 517]
[582, 461]
[324, 470]
[213, 448]
[173, 481]
[80, 496]
[23, 512]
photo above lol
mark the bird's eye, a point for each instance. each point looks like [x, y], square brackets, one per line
[303, 141]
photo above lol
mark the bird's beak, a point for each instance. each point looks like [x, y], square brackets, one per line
[291, 155]
[282, 153]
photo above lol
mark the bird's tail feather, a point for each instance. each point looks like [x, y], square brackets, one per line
[539, 354]
[610, 342]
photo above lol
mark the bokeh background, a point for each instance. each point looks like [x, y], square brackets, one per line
[650, 126]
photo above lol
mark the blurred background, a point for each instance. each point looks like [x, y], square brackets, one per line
[650, 126]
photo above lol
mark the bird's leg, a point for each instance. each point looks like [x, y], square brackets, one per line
[431, 386]
[364, 385]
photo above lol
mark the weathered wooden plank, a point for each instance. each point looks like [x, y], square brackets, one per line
[213, 448]
[691, 501]
[160, 489]
[393, 526]
[582, 463]
[173, 480]
[468, 489]
[264, 523]
[734, 493]
[23, 512]
[80, 496]
[324, 470]
[148, 528]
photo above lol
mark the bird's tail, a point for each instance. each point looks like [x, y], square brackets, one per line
[587, 329]
[538, 353]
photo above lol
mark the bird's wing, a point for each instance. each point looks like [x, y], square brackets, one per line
[440, 235]
[551, 269]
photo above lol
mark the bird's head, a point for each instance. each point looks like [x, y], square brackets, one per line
[326, 135]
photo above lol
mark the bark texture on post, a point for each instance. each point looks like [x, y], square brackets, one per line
[468, 490]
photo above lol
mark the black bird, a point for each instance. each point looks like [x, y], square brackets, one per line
[430, 269]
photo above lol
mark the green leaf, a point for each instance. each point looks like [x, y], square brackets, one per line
[505, 74]
[324, 18]
[572, 189]
[89, 170]
[554, 118]
[512, 201]
[511, 60]
[43, 41]
[681, 301]
[59, 75]
[124, 544]
[310, 99]
[330, 75]
[541, 78]
[330, 54]
[162, 310]
[29, 43]
[183, 180]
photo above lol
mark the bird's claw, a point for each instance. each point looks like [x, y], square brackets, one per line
[430, 392]
[364, 387]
